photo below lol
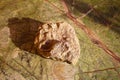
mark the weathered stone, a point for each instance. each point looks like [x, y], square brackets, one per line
[58, 41]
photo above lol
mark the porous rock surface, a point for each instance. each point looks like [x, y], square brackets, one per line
[58, 41]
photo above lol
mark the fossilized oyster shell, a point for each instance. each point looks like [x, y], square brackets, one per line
[58, 41]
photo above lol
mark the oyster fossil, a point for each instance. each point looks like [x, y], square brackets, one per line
[58, 41]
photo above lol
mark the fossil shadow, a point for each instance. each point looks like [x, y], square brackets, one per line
[23, 32]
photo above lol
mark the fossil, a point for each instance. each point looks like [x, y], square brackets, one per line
[58, 41]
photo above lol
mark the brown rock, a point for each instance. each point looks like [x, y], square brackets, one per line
[58, 41]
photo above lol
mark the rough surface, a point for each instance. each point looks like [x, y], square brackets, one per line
[58, 41]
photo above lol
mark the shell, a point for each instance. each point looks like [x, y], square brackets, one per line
[58, 41]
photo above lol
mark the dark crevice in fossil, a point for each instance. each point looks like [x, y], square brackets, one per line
[49, 45]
